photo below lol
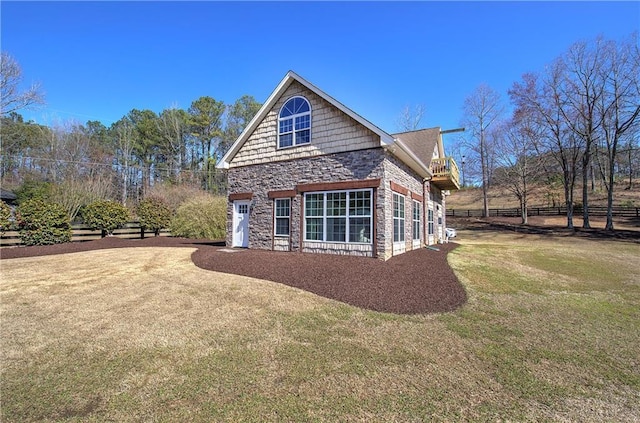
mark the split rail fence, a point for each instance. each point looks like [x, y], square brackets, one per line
[81, 232]
[545, 211]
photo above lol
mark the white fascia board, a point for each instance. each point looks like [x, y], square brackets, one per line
[262, 113]
[385, 138]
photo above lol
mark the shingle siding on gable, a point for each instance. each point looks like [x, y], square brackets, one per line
[331, 132]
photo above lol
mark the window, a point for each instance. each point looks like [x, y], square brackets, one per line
[294, 123]
[416, 220]
[243, 208]
[398, 217]
[282, 216]
[430, 220]
[338, 216]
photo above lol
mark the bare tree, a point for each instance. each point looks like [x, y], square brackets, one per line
[619, 107]
[482, 109]
[518, 159]
[125, 141]
[583, 89]
[173, 126]
[544, 100]
[11, 98]
[409, 119]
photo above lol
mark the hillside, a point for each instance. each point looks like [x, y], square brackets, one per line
[540, 196]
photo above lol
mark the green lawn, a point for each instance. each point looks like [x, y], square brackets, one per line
[550, 333]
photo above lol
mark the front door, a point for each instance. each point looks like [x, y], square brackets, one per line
[241, 223]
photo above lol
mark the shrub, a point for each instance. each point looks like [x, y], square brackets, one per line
[174, 195]
[43, 223]
[5, 217]
[154, 214]
[202, 217]
[32, 188]
[105, 215]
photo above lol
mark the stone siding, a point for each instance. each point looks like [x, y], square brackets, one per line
[399, 173]
[332, 131]
[285, 175]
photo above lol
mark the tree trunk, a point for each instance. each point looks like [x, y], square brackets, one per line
[609, 224]
[485, 182]
[585, 190]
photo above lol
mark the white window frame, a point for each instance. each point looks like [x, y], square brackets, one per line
[293, 131]
[276, 217]
[416, 222]
[399, 200]
[347, 216]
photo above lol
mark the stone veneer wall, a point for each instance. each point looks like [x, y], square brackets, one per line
[355, 165]
[285, 175]
[332, 131]
[399, 173]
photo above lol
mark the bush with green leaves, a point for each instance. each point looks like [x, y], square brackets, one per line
[154, 214]
[105, 215]
[34, 188]
[43, 223]
[5, 217]
[202, 217]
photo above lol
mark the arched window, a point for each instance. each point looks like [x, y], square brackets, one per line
[294, 123]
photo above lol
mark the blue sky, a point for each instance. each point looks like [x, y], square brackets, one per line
[98, 60]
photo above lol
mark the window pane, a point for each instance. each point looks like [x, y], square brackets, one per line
[286, 125]
[336, 229]
[303, 122]
[300, 105]
[360, 203]
[286, 140]
[303, 137]
[282, 207]
[282, 226]
[314, 229]
[314, 205]
[360, 229]
[337, 204]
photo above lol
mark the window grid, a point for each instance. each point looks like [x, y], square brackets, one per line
[398, 217]
[338, 216]
[282, 216]
[294, 123]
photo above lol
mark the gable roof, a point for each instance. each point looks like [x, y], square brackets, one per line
[396, 146]
[422, 142]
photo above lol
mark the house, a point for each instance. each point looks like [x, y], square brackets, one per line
[309, 174]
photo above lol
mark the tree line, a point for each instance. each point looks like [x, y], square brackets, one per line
[574, 123]
[84, 162]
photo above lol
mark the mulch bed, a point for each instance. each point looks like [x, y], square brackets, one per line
[415, 282]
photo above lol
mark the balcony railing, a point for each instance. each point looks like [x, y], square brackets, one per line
[446, 175]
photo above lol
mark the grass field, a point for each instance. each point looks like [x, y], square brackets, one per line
[550, 333]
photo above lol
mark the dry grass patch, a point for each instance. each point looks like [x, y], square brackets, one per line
[143, 335]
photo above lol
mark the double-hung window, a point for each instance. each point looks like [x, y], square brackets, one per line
[416, 220]
[338, 216]
[282, 216]
[398, 217]
[294, 123]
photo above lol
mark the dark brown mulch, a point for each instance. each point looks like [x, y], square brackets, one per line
[416, 282]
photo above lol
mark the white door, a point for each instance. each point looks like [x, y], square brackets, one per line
[241, 223]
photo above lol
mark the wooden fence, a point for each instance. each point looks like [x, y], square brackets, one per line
[81, 232]
[546, 211]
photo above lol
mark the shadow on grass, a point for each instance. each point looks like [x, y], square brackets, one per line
[496, 225]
